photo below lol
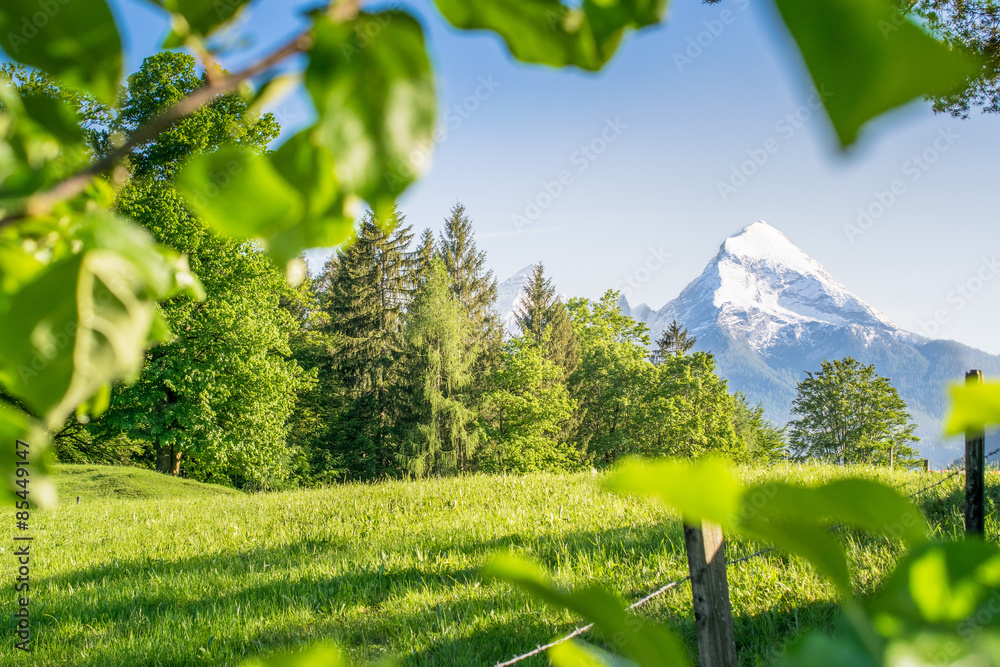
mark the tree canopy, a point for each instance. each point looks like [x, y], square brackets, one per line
[847, 413]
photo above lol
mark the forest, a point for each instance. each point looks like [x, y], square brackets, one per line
[389, 362]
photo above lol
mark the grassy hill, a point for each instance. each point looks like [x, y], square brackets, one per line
[213, 577]
[93, 483]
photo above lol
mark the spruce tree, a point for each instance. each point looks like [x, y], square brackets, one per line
[425, 254]
[542, 312]
[673, 340]
[472, 284]
[367, 302]
[442, 438]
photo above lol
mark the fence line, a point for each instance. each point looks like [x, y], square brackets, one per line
[945, 479]
[673, 584]
[635, 605]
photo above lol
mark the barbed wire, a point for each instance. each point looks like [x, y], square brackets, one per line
[946, 478]
[538, 650]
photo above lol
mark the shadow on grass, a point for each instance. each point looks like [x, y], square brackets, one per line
[443, 614]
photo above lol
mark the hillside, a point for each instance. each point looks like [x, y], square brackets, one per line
[95, 483]
[391, 569]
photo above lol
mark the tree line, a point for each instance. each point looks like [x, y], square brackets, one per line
[391, 361]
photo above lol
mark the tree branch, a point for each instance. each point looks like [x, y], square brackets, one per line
[43, 202]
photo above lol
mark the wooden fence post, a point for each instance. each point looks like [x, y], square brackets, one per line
[713, 613]
[924, 463]
[975, 464]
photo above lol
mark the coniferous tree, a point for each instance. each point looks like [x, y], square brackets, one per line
[473, 285]
[367, 302]
[544, 320]
[425, 254]
[673, 340]
[442, 437]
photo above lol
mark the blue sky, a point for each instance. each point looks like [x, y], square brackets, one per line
[678, 109]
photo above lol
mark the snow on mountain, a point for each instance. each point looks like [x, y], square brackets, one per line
[769, 313]
[764, 289]
[510, 296]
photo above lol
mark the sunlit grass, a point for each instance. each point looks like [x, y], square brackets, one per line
[391, 569]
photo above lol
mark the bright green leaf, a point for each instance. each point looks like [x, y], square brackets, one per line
[200, 16]
[239, 193]
[14, 426]
[86, 320]
[699, 490]
[580, 654]
[812, 542]
[321, 655]
[940, 583]
[372, 84]
[973, 407]
[648, 644]
[866, 58]
[76, 42]
[856, 502]
[548, 32]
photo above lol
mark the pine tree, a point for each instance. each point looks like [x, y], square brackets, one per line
[443, 437]
[475, 287]
[367, 302]
[425, 254]
[541, 313]
[674, 340]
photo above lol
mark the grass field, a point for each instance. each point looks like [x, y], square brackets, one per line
[153, 571]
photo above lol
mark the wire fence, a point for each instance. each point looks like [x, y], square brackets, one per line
[538, 650]
[542, 648]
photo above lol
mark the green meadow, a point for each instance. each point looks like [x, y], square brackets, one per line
[149, 570]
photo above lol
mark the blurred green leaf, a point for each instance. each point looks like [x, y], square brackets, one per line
[321, 655]
[309, 167]
[86, 320]
[56, 116]
[973, 407]
[648, 644]
[372, 84]
[14, 426]
[288, 200]
[816, 650]
[575, 653]
[812, 542]
[548, 32]
[941, 584]
[856, 502]
[866, 58]
[75, 42]
[699, 490]
[239, 193]
[199, 16]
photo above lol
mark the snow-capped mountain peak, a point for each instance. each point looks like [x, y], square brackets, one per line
[761, 287]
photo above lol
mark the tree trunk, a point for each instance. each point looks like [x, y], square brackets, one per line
[168, 461]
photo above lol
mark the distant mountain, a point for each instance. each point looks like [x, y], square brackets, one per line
[769, 313]
[510, 297]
